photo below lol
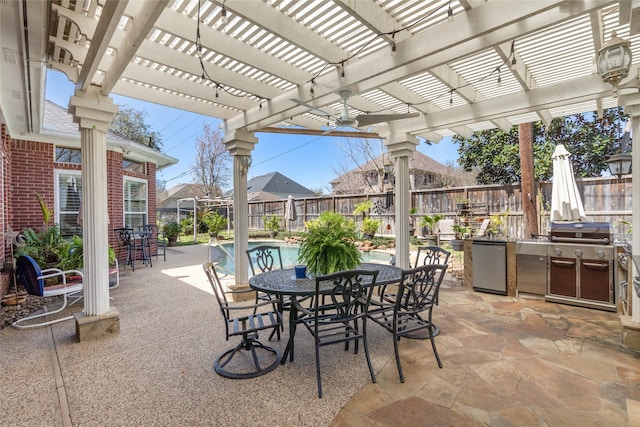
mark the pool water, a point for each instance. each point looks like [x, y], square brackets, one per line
[289, 254]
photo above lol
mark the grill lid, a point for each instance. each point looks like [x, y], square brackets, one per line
[581, 232]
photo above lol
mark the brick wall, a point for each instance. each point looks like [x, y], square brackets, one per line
[29, 170]
[5, 182]
[32, 174]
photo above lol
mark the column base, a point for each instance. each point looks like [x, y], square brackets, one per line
[246, 296]
[630, 333]
[92, 327]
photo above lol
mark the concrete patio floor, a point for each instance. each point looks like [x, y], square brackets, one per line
[506, 362]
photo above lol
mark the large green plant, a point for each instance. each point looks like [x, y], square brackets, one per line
[44, 247]
[215, 222]
[271, 223]
[370, 226]
[329, 244]
[72, 256]
[430, 221]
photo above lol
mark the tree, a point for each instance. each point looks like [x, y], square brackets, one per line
[212, 169]
[129, 123]
[495, 154]
[360, 151]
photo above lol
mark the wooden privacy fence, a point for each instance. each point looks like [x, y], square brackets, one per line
[605, 199]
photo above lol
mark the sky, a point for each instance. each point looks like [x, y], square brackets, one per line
[310, 160]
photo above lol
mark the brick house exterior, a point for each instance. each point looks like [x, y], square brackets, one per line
[28, 167]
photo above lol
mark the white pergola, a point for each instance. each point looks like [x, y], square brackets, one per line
[277, 65]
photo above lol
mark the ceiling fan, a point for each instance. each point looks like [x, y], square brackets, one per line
[344, 119]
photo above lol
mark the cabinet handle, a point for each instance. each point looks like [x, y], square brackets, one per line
[556, 261]
[597, 265]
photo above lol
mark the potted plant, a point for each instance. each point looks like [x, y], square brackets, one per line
[428, 223]
[329, 244]
[462, 204]
[271, 224]
[215, 223]
[412, 225]
[462, 232]
[369, 227]
[171, 231]
[498, 225]
[363, 208]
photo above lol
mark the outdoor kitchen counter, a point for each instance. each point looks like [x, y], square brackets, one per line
[511, 266]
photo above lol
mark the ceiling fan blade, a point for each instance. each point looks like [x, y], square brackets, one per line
[311, 107]
[372, 119]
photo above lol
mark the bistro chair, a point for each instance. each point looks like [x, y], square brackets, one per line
[412, 310]
[343, 318]
[247, 323]
[155, 241]
[130, 245]
[33, 281]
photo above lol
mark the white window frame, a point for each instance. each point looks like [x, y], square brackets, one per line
[125, 212]
[57, 196]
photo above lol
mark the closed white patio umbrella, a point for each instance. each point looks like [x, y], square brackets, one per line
[566, 203]
[290, 213]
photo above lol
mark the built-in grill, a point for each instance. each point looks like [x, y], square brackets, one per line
[580, 272]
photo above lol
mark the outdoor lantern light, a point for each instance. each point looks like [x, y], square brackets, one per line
[388, 168]
[619, 164]
[245, 162]
[614, 60]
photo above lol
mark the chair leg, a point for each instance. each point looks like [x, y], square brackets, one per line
[366, 352]
[318, 369]
[397, 353]
[17, 324]
[247, 344]
[433, 342]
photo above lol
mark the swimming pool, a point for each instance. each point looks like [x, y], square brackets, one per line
[289, 255]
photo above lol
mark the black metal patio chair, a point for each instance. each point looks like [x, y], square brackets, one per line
[341, 317]
[247, 324]
[412, 310]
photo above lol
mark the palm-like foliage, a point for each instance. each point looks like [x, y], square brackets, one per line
[329, 244]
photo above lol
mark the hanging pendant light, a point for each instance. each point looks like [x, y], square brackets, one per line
[614, 60]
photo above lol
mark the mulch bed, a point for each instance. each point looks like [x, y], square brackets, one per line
[11, 313]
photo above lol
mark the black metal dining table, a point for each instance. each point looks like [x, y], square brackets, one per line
[283, 282]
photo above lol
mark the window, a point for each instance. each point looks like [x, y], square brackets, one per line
[135, 202]
[68, 193]
[68, 155]
[133, 166]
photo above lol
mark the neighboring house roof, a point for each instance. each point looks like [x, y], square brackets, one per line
[275, 186]
[417, 162]
[58, 127]
[184, 191]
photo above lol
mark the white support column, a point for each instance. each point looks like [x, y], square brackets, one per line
[240, 144]
[94, 112]
[401, 147]
[631, 326]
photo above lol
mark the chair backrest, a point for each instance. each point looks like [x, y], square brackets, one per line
[29, 272]
[431, 255]
[150, 229]
[445, 229]
[264, 258]
[217, 288]
[482, 230]
[349, 291]
[419, 287]
[123, 235]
